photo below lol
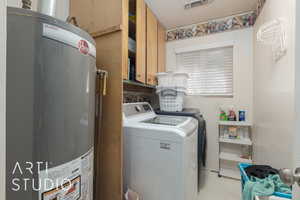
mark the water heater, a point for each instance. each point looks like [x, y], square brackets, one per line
[51, 72]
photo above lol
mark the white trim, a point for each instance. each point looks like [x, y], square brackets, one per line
[204, 47]
[2, 97]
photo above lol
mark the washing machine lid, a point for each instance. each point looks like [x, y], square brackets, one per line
[141, 117]
[166, 120]
[169, 128]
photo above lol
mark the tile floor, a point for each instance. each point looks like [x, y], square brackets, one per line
[215, 188]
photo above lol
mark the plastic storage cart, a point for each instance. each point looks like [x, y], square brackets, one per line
[232, 150]
[245, 178]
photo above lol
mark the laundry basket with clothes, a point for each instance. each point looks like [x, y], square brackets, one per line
[262, 180]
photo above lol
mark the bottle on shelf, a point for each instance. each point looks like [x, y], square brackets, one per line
[242, 115]
[223, 116]
[231, 115]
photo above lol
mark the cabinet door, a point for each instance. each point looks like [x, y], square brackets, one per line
[125, 39]
[151, 47]
[161, 51]
[141, 10]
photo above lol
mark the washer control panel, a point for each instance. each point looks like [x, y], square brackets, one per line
[131, 109]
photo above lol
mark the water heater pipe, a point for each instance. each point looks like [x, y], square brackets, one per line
[26, 4]
[47, 7]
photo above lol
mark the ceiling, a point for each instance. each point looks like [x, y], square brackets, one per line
[171, 13]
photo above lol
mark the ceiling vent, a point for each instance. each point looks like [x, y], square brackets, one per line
[195, 3]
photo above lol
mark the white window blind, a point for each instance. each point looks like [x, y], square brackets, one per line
[210, 71]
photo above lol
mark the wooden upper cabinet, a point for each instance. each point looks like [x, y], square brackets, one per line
[152, 26]
[97, 16]
[125, 32]
[141, 10]
[161, 51]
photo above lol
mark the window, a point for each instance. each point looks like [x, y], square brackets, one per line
[210, 71]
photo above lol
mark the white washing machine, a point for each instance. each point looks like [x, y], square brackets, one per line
[160, 154]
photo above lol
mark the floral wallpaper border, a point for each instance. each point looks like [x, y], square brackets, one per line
[231, 23]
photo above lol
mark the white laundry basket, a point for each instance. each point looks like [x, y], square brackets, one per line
[172, 79]
[180, 80]
[171, 98]
[165, 79]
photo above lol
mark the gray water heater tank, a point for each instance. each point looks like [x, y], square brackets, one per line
[51, 72]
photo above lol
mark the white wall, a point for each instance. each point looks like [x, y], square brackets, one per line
[243, 83]
[62, 7]
[2, 96]
[274, 92]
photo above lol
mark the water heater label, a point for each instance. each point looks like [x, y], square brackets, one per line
[69, 181]
[69, 38]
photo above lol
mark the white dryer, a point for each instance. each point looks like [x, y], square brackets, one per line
[160, 154]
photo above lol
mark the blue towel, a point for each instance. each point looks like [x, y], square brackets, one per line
[264, 187]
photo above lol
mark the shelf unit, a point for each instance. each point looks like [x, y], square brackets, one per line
[132, 28]
[243, 141]
[147, 36]
[138, 84]
[235, 139]
[234, 123]
[233, 157]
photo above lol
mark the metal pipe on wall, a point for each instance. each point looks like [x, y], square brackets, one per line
[47, 7]
[26, 4]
